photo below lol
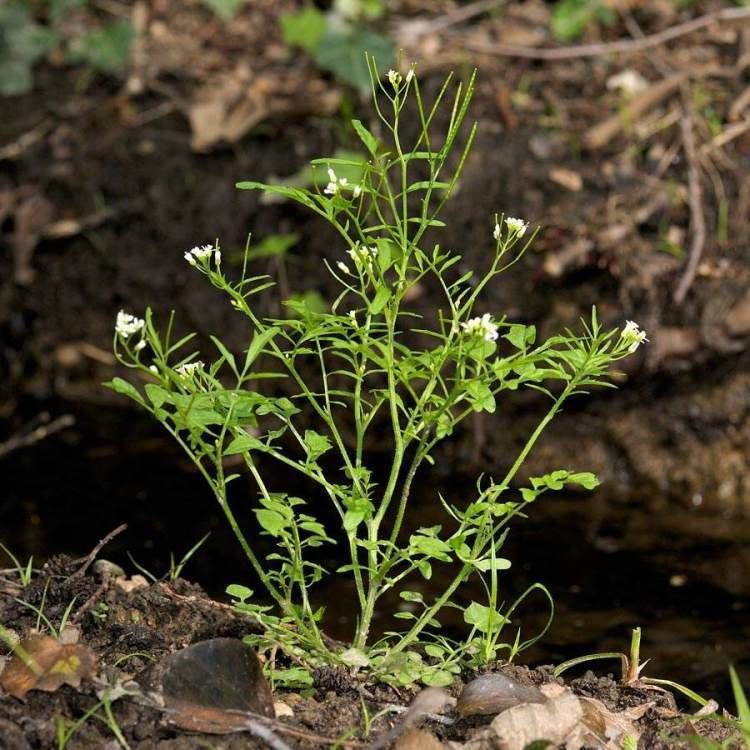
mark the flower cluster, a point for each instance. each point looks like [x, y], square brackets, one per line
[189, 368]
[516, 228]
[363, 255]
[203, 253]
[336, 183]
[483, 327]
[632, 336]
[395, 77]
[126, 325]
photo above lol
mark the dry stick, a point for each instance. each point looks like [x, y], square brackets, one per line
[697, 220]
[603, 132]
[726, 136]
[259, 719]
[86, 606]
[20, 145]
[94, 552]
[418, 27]
[620, 46]
[37, 434]
[739, 105]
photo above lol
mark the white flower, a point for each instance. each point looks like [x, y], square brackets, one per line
[343, 267]
[189, 368]
[154, 369]
[483, 327]
[357, 191]
[632, 335]
[517, 226]
[334, 183]
[496, 232]
[362, 255]
[627, 81]
[126, 324]
[202, 252]
[410, 75]
[140, 346]
[394, 77]
[353, 315]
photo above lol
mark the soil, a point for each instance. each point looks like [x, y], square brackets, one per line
[130, 633]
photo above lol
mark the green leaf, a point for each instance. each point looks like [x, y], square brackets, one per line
[411, 596]
[500, 563]
[106, 49]
[273, 246]
[380, 300]
[242, 444]
[15, 77]
[370, 141]
[237, 591]
[430, 546]
[58, 10]
[740, 700]
[294, 677]
[483, 618]
[521, 336]
[272, 521]
[260, 340]
[342, 51]
[303, 29]
[571, 17]
[118, 385]
[157, 395]
[439, 678]
[283, 191]
[228, 356]
[316, 444]
[352, 519]
[480, 396]
[444, 425]
[225, 9]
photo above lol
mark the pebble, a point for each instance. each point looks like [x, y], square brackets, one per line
[493, 693]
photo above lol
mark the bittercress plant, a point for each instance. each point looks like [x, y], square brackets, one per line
[371, 365]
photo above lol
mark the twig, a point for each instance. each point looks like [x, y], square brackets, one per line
[37, 434]
[413, 29]
[81, 611]
[697, 220]
[728, 134]
[603, 132]
[621, 46]
[258, 719]
[97, 549]
[28, 139]
[739, 105]
[429, 701]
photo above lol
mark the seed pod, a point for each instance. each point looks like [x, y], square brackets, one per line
[493, 693]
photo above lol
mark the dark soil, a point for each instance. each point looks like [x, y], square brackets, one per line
[130, 632]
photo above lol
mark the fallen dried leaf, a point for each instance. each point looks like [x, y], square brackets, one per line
[515, 728]
[131, 584]
[566, 178]
[602, 728]
[40, 662]
[213, 685]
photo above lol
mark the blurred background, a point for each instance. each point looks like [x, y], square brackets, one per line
[620, 127]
